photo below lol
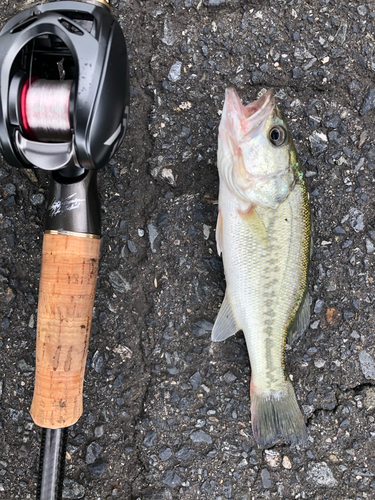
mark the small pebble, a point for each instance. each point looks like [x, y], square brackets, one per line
[11, 238]
[266, 478]
[118, 282]
[131, 246]
[215, 3]
[97, 362]
[93, 451]
[367, 365]
[149, 438]
[339, 230]
[356, 219]
[3, 174]
[10, 188]
[37, 199]
[97, 468]
[117, 383]
[370, 248]
[184, 453]
[321, 475]
[200, 437]
[167, 174]
[333, 121]
[168, 34]
[72, 490]
[162, 219]
[369, 102]
[319, 363]
[318, 141]
[24, 366]
[347, 244]
[171, 479]
[99, 431]
[175, 72]
[318, 306]
[362, 11]
[297, 73]
[286, 462]
[164, 454]
[348, 314]
[370, 399]
[206, 231]
[196, 380]
[272, 458]
[229, 377]
[152, 235]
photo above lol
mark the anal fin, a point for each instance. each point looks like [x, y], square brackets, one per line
[301, 321]
[225, 324]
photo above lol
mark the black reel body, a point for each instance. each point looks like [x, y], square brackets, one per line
[64, 87]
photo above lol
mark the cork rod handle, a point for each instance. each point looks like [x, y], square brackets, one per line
[66, 298]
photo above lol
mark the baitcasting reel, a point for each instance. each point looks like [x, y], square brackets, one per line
[64, 80]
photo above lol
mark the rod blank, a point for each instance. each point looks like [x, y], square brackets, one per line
[52, 464]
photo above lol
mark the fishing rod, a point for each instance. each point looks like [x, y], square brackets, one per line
[64, 104]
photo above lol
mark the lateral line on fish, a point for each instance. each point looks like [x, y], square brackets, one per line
[269, 277]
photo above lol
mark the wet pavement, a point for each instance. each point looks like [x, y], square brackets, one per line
[166, 412]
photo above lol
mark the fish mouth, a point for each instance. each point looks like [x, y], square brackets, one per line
[254, 114]
[258, 112]
[263, 105]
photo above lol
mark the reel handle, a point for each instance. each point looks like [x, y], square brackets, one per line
[66, 300]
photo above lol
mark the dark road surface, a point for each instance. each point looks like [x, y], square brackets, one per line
[167, 413]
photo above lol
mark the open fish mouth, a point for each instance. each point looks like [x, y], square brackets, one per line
[264, 103]
[253, 115]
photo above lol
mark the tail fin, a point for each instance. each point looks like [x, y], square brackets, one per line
[276, 414]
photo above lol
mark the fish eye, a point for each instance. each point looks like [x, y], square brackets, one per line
[278, 135]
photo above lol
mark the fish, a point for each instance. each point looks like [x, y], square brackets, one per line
[264, 234]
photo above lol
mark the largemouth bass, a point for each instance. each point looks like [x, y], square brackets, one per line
[264, 235]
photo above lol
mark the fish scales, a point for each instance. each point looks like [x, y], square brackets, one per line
[266, 248]
[266, 277]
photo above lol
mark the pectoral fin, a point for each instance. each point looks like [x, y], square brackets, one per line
[301, 321]
[256, 226]
[225, 324]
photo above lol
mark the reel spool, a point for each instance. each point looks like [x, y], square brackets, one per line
[64, 98]
[44, 106]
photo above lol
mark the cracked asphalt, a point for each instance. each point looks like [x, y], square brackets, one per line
[166, 412]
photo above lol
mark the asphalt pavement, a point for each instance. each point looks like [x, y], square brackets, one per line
[166, 412]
